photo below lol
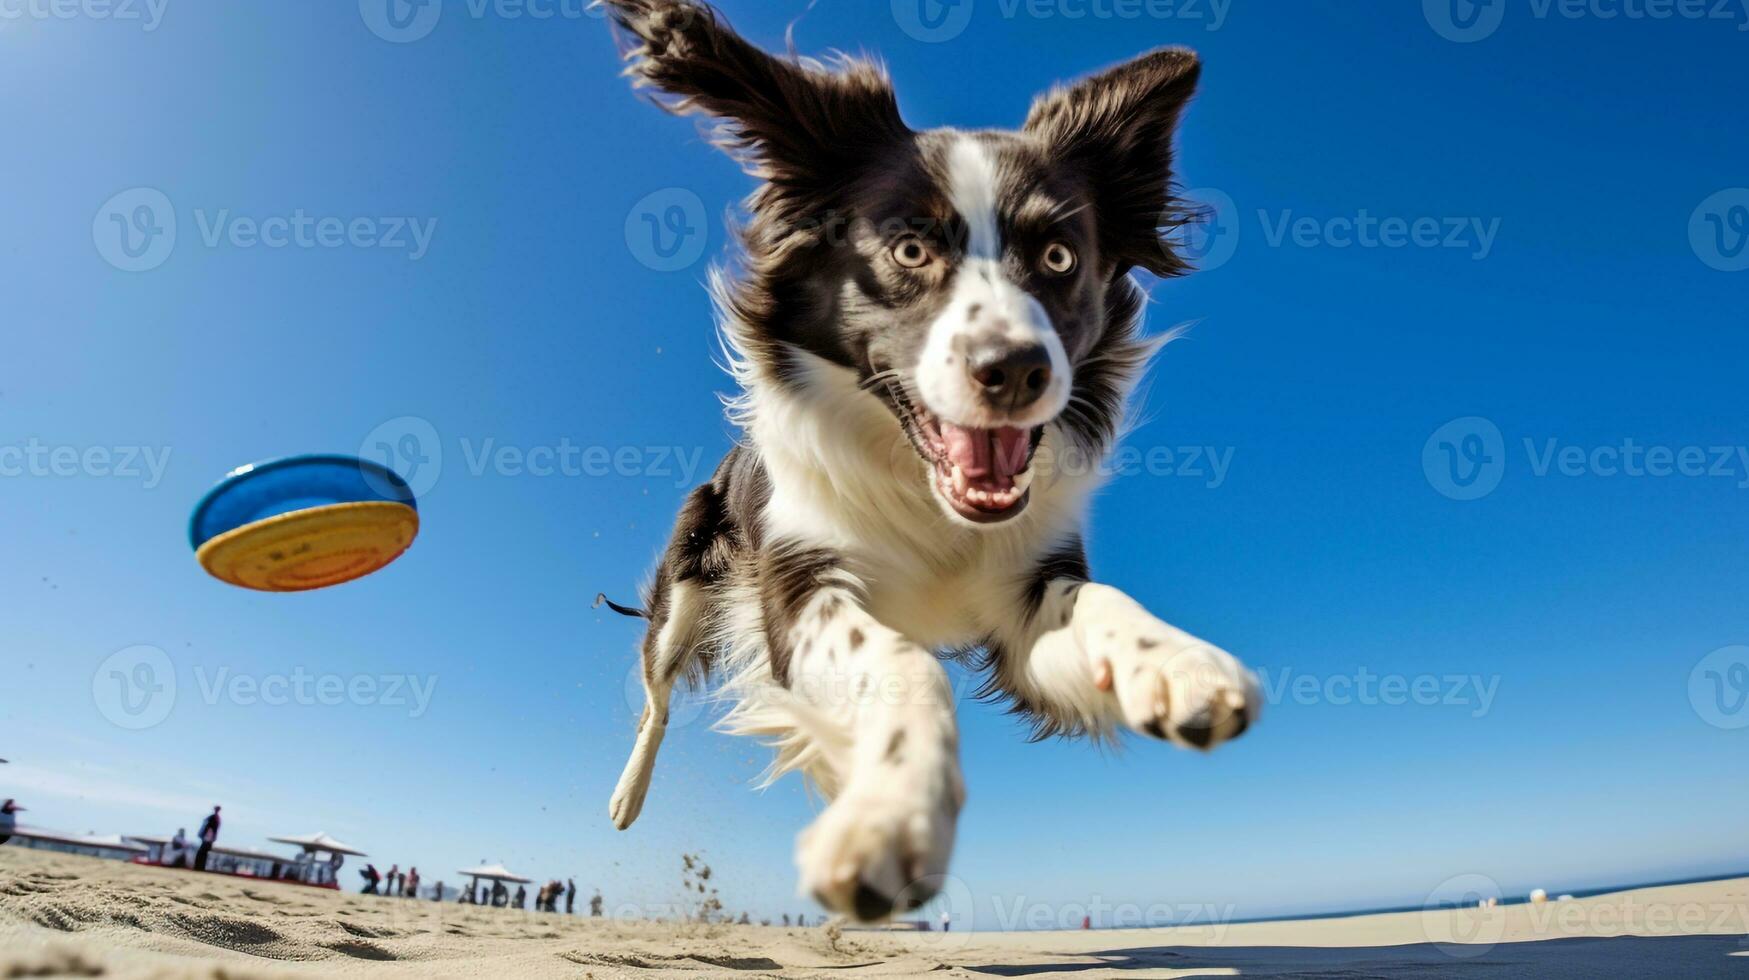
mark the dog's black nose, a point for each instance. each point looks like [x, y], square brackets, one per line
[1011, 378]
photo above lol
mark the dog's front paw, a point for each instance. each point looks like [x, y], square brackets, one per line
[1173, 686]
[880, 848]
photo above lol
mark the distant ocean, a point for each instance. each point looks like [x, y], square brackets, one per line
[1505, 900]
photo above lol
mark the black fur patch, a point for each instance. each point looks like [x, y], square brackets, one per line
[894, 746]
[1068, 562]
[789, 577]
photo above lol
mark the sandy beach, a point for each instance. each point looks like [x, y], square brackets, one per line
[72, 916]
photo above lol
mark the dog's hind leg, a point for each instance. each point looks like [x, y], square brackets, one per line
[669, 646]
[681, 602]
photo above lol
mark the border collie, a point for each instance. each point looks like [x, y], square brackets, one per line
[927, 329]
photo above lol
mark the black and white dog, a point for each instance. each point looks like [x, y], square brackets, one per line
[926, 326]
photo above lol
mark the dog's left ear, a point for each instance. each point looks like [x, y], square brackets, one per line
[791, 122]
[1117, 128]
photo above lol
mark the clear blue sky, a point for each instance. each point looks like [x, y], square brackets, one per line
[1586, 602]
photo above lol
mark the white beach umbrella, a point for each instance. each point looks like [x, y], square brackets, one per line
[320, 842]
[495, 872]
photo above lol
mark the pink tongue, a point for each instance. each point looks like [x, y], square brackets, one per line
[994, 455]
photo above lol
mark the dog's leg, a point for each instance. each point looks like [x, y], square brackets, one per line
[884, 841]
[1092, 659]
[669, 644]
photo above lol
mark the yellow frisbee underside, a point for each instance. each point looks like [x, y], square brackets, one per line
[313, 548]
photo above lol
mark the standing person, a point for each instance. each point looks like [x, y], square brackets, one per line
[595, 904]
[209, 835]
[437, 896]
[570, 896]
[412, 890]
[500, 895]
[371, 877]
[521, 897]
[8, 820]
[946, 922]
[389, 882]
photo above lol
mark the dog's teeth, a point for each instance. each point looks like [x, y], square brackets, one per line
[1022, 480]
[959, 480]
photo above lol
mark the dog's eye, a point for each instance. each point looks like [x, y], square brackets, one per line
[1059, 259]
[911, 253]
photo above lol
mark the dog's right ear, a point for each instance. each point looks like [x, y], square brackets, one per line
[791, 122]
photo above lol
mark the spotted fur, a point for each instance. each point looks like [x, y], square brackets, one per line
[827, 565]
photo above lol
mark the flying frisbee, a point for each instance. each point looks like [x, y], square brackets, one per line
[303, 522]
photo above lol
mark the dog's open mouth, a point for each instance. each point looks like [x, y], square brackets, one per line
[983, 474]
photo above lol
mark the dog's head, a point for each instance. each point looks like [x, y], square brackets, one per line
[975, 282]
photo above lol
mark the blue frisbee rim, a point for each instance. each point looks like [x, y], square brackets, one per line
[376, 483]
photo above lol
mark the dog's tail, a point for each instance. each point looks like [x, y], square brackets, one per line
[633, 611]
